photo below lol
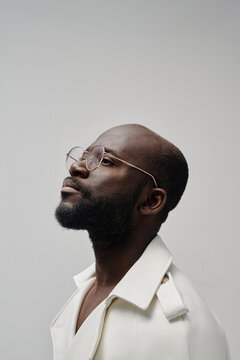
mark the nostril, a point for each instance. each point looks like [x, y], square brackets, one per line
[79, 169]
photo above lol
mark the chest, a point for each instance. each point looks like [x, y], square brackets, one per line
[90, 302]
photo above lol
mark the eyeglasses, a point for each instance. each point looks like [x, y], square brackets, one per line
[94, 158]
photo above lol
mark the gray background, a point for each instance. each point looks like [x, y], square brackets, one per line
[70, 70]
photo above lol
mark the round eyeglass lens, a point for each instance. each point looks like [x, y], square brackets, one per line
[94, 157]
[74, 155]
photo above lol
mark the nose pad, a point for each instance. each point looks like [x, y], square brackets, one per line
[79, 169]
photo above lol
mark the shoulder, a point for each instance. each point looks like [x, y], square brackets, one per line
[203, 329]
[190, 294]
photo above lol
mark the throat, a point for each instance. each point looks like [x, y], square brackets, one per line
[107, 239]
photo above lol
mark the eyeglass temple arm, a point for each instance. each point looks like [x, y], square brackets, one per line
[145, 172]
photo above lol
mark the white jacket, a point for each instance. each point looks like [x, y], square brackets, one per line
[142, 318]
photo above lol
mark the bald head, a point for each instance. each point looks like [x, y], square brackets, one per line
[151, 152]
[135, 138]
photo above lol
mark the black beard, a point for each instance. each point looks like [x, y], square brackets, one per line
[108, 219]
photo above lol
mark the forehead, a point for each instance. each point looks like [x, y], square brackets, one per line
[129, 143]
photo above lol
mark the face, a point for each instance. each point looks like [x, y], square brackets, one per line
[101, 201]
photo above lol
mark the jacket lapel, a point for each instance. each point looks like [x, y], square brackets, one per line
[64, 324]
[86, 340]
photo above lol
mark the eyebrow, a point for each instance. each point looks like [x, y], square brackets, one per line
[110, 151]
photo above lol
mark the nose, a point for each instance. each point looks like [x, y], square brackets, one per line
[79, 169]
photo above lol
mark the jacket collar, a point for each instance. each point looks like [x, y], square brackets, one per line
[140, 283]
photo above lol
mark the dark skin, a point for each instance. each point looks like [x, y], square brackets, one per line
[131, 143]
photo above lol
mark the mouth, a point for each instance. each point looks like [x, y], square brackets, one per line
[69, 187]
[73, 186]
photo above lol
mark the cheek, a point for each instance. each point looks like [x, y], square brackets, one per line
[111, 180]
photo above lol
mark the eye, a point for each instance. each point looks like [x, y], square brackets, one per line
[107, 162]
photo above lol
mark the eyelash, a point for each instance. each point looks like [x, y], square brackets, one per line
[109, 162]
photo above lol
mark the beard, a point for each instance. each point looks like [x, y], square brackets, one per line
[108, 219]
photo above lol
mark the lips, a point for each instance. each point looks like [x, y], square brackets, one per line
[69, 187]
[72, 185]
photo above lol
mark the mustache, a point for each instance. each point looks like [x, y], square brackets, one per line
[82, 188]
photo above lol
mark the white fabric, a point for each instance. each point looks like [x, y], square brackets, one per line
[142, 318]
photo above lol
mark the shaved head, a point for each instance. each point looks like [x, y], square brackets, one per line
[148, 150]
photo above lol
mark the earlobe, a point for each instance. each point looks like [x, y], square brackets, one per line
[154, 203]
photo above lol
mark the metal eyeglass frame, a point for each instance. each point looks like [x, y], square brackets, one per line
[111, 156]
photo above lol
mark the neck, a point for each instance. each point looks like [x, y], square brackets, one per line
[113, 263]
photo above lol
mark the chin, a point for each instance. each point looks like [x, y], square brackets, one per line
[66, 216]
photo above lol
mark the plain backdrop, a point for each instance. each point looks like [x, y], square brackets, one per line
[72, 69]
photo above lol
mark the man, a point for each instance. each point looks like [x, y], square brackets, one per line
[133, 303]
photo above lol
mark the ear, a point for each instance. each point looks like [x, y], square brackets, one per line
[154, 202]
